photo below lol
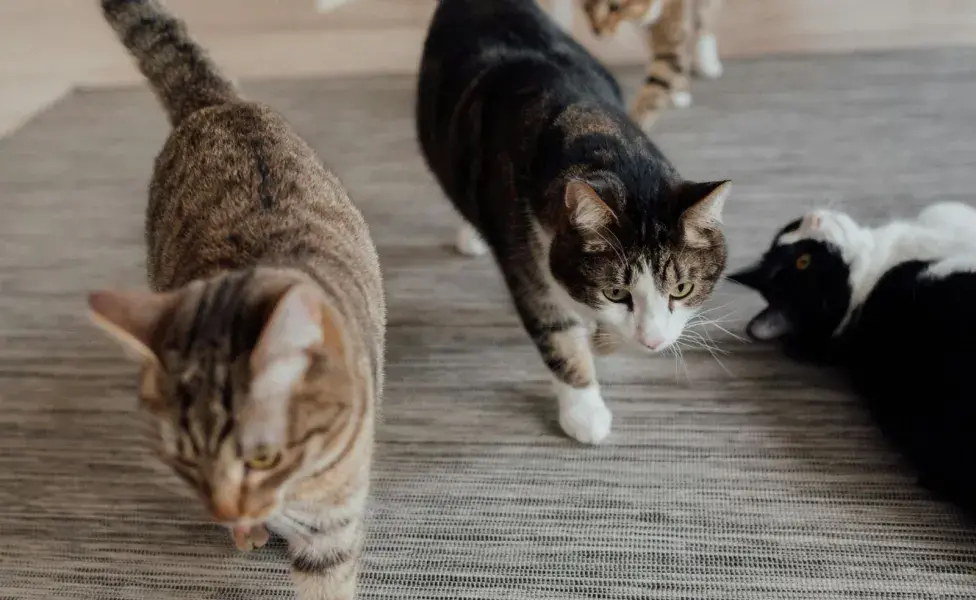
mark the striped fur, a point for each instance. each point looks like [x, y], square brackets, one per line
[528, 136]
[179, 71]
[680, 38]
[262, 343]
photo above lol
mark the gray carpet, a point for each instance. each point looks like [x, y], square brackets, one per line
[759, 479]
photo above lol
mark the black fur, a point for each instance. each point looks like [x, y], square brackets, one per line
[909, 350]
[509, 110]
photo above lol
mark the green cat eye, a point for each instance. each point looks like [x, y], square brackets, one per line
[682, 290]
[264, 458]
[617, 294]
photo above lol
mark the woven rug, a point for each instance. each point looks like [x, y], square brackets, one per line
[749, 478]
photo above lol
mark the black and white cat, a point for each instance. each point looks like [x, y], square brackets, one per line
[895, 306]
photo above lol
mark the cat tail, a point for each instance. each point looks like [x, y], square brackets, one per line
[179, 70]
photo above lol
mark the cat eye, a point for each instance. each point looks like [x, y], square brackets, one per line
[803, 261]
[617, 294]
[682, 290]
[263, 459]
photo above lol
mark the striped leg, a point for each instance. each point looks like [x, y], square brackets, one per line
[325, 554]
[667, 82]
[563, 342]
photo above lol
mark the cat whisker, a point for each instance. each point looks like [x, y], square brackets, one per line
[679, 361]
[291, 529]
[616, 250]
[699, 341]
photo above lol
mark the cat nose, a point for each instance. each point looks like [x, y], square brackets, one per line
[652, 343]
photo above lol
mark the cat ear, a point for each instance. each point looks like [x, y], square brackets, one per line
[300, 322]
[132, 318]
[752, 277]
[588, 213]
[703, 202]
[293, 327]
[770, 324]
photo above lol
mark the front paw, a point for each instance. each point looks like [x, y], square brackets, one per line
[250, 538]
[707, 63]
[583, 414]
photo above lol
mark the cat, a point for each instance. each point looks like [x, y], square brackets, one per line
[527, 134]
[892, 306]
[681, 41]
[262, 342]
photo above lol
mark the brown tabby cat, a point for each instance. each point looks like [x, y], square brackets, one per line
[262, 345]
[680, 38]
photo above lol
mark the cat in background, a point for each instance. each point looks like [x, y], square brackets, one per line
[262, 343]
[529, 137]
[681, 41]
[893, 307]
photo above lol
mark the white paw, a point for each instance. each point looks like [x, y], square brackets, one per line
[948, 215]
[469, 242]
[707, 62]
[681, 99]
[582, 413]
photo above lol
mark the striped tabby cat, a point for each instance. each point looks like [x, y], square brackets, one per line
[262, 345]
[680, 38]
[528, 136]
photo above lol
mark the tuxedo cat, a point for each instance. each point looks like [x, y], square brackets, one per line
[895, 307]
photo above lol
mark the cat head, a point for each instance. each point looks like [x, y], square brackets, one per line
[247, 380]
[606, 15]
[642, 271]
[805, 277]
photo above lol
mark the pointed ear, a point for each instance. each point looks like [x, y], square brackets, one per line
[751, 277]
[703, 202]
[300, 322]
[295, 326]
[770, 324]
[132, 318]
[588, 213]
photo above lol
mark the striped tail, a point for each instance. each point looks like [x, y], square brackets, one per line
[179, 70]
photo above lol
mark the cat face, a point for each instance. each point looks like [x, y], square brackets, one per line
[804, 277]
[643, 280]
[247, 386]
[606, 15]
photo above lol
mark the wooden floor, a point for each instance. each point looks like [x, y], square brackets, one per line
[755, 479]
[48, 46]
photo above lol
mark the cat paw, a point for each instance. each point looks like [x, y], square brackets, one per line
[470, 243]
[681, 99]
[250, 538]
[583, 415]
[707, 63]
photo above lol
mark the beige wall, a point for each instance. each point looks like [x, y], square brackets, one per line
[46, 46]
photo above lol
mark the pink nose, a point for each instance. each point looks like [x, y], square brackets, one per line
[653, 344]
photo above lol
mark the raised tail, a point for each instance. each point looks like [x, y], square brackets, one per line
[179, 70]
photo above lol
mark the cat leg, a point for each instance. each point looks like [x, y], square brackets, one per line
[949, 216]
[563, 341]
[325, 555]
[667, 82]
[469, 241]
[706, 62]
[604, 341]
